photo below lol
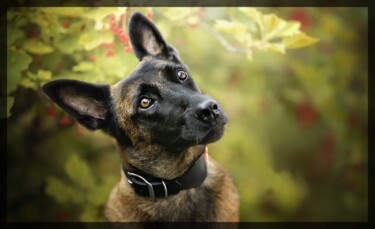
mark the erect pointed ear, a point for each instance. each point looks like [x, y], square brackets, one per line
[88, 103]
[147, 40]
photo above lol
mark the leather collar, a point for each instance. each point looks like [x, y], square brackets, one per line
[153, 187]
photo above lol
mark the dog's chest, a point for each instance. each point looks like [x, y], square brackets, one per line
[191, 205]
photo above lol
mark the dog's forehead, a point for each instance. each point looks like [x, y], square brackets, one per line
[152, 71]
[149, 71]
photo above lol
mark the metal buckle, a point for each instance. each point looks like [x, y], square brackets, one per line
[149, 185]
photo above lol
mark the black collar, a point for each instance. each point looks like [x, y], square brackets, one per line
[148, 186]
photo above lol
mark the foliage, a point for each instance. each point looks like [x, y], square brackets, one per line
[296, 144]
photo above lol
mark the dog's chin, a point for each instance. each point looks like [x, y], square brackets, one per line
[202, 135]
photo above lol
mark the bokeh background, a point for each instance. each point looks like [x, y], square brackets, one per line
[296, 144]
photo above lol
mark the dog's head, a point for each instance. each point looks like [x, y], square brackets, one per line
[158, 104]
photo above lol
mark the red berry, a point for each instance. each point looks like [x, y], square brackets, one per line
[92, 58]
[112, 17]
[300, 14]
[115, 28]
[66, 24]
[64, 121]
[149, 15]
[128, 49]
[109, 45]
[110, 53]
[124, 39]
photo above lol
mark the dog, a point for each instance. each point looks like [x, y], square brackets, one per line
[162, 124]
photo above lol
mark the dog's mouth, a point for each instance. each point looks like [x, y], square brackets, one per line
[195, 132]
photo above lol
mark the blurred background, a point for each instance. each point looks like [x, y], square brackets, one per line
[296, 145]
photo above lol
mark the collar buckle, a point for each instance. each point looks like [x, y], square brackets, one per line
[151, 192]
[153, 187]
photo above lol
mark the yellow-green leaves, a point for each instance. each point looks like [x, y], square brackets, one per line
[33, 81]
[37, 47]
[275, 34]
[83, 66]
[230, 26]
[298, 41]
[81, 188]
[92, 39]
[17, 61]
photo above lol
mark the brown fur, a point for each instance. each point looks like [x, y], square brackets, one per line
[126, 206]
[163, 142]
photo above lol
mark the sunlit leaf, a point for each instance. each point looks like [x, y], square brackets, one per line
[273, 47]
[92, 39]
[83, 66]
[299, 41]
[229, 26]
[253, 13]
[37, 47]
[68, 45]
[28, 83]
[44, 75]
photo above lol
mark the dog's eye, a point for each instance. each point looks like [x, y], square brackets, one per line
[182, 75]
[145, 103]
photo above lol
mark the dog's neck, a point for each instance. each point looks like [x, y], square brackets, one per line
[165, 165]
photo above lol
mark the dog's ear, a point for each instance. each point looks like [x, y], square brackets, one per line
[87, 103]
[147, 40]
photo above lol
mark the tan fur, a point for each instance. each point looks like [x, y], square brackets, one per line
[124, 205]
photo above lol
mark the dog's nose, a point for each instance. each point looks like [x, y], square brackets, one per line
[207, 111]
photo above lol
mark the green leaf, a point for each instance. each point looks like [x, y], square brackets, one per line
[13, 35]
[68, 45]
[17, 61]
[273, 47]
[9, 104]
[299, 41]
[99, 195]
[10, 101]
[37, 47]
[60, 191]
[83, 66]
[79, 172]
[44, 75]
[92, 39]
[65, 11]
[253, 13]
[229, 26]
[28, 82]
